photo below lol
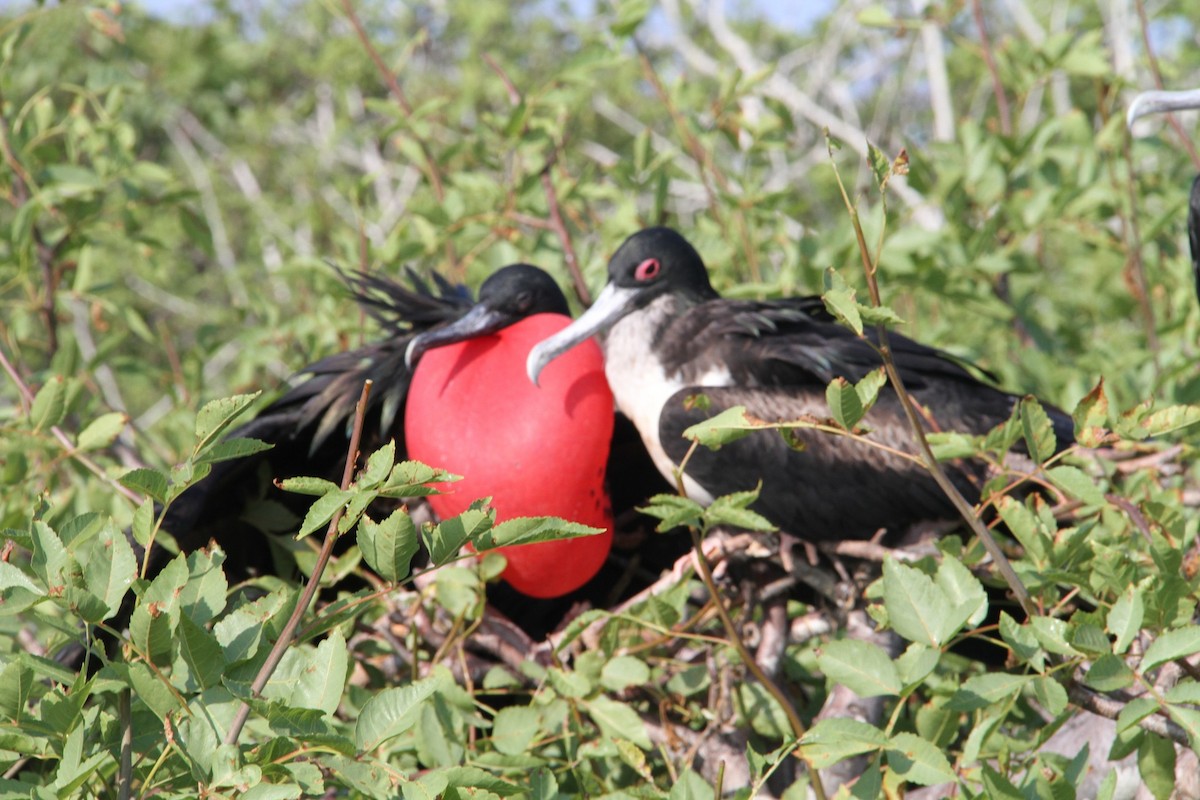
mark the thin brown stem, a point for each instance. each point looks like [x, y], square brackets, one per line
[555, 222]
[1172, 120]
[314, 580]
[990, 60]
[64, 440]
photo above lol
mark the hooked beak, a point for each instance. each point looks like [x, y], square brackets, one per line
[1161, 102]
[479, 321]
[612, 304]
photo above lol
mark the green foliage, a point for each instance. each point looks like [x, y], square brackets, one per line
[171, 194]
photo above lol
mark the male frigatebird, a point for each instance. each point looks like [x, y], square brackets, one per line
[309, 425]
[1160, 102]
[671, 338]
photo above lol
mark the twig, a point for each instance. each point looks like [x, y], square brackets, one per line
[314, 580]
[61, 436]
[1147, 45]
[906, 402]
[555, 222]
[1111, 709]
[431, 166]
[990, 60]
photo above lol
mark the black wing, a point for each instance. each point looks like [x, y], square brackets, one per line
[309, 425]
[781, 357]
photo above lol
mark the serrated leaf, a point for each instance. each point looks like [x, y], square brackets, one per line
[444, 540]
[1076, 483]
[1037, 430]
[733, 510]
[217, 415]
[323, 510]
[111, 568]
[1022, 641]
[621, 672]
[981, 691]
[917, 609]
[149, 482]
[1091, 417]
[49, 405]
[389, 546]
[833, 740]
[102, 431]
[201, 652]
[862, 667]
[515, 728]
[916, 663]
[618, 721]
[1109, 673]
[845, 406]
[728, 426]
[314, 487]
[1156, 765]
[528, 530]
[840, 302]
[918, 761]
[228, 449]
[969, 602]
[391, 712]
[674, 511]
[1170, 645]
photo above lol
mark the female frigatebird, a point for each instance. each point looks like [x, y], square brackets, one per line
[671, 337]
[309, 425]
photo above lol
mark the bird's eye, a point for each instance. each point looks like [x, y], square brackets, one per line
[647, 270]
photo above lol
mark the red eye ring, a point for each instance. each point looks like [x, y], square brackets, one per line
[647, 270]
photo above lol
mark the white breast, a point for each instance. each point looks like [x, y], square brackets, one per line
[641, 386]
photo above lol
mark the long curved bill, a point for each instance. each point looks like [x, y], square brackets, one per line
[1161, 102]
[479, 321]
[613, 303]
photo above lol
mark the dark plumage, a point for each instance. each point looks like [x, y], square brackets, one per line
[671, 337]
[309, 426]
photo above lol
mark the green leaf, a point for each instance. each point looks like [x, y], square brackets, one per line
[443, 541]
[674, 511]
[102, 431]
[969, 603]
[982, 691]
[217, 415]
[49, 405]
[1156, 763]
[314, 487]
[1125, 618]
[1109, 673]
[1076, 483]
[1051, 694]
[1020, 638]
[1170, 645]
[728, 426]
[146, 481]
[621, 672]
[833, 740]
[389, 546]
[228, 449]
[515, 728]
[391, 712]
[862, 667]
[379, 465]
[918, 761]
[618, 720]
[733, 510]
[528, 530]
[1037, 429]
[917, 609]
[916, 663]
[202, 654]
[323, 510]
[845, 406]
[1091, 417]
[111, 567]
[840, 302]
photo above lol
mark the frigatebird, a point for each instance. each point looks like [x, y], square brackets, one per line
[671, 338]
[1161, 102]
[309, 425]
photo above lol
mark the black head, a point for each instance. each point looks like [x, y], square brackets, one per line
[655, 261]
[508, 296]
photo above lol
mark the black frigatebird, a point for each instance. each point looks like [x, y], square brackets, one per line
[1161, 102]
[309, 425]
[671, 337]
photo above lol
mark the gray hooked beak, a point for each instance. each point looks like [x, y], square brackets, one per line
[479, 321]
[612, 304]
[1161, 102]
